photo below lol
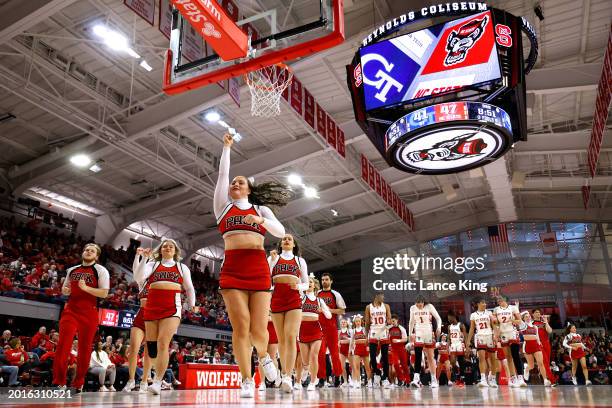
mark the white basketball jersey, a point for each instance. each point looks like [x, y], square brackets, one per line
[505, 316]
[455, 334]
[422, 317]
[482, 321]
[378, 320]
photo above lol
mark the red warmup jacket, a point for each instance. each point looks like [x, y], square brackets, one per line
[16, 357]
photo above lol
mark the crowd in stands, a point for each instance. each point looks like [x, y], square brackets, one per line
[34, 259]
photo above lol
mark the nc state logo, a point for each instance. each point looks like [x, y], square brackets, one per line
[453, 149]
[461, 41]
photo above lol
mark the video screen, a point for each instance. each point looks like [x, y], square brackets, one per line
[440, 59]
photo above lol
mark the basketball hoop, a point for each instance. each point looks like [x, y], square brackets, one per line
[267, 85]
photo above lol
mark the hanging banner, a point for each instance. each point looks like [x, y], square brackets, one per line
[321, 121]
[231, 8]
[340, 147]
[372, 176]
[364, 168]
[378, 184]
[331, 132]
[234, 89]
[297, 96]
[144, 8]
[165, 17]
[309, 108]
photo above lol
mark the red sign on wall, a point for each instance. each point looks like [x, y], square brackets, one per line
[309, 108]
[364, 168]
[321, 121]
[331, 132]
[372, 176]
[340, 146]
[378, 184]
[296, 96]
[209, 376]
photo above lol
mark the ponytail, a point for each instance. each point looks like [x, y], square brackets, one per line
[271, 194]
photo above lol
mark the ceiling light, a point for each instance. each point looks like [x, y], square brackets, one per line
[237, 137]
[146, 66]
[80, 160]
[96, 168]
[334, 212]
[222, 123]
[310, 192]
[114, 40]
[213, 117]
[295, 179]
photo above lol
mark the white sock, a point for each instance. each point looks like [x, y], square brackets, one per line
[417, 377]
[483, 377]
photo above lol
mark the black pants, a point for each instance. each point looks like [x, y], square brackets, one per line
[384, 358]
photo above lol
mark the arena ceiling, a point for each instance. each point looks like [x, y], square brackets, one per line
[67, 94]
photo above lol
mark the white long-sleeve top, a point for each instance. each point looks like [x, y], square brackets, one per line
[422, 318]
[324, 309]
[572, 338]
[221, 198]
[101, 361]
[287, 256]
[143, 269]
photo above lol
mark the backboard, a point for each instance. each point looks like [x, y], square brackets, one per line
[265, 32]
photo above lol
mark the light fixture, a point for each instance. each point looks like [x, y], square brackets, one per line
[310, 192]
[223, 123]
[114, 40]
[334, 212]
[80, 160]
[295, 179]
[146, 66]
[96, 168]
[213, 117]
[237, 137]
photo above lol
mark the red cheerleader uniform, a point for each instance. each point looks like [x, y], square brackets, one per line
[344, 334]
[163, 303]
[272, 337]
[361, 349]
[442, 352]
[80, 317]
[575, 338]
[310, 330]
[244, 269]
[545, 346]
[139, 318]
[283, 297]
[531, 346]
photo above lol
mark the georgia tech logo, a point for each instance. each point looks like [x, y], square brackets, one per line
[384, 81]
[460, 42]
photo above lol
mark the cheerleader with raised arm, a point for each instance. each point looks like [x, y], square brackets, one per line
[167, 277]
[532, 347]
[573, 343]
[245, 282]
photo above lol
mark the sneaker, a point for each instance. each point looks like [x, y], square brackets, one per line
[155, 388]
[262, 386]
[279, 379]
[492, 382]
[415, 383]
[144, 386]
[311, 387]
[434, 384]
[286, 385]
[129, 386]
[112, 389]
[574, 381]
[345, 385]
[547, 383]
[320, 384]
[376, 380]
[483, 384]
[526, 374]
[103, 389]
[588, 383]
[61, 387]
[304, 374]
[247, 389]
[386, 384]
[298, 386]
[176, 383]
[450, 384]
[356, 384]
[166, 385]
[269, 369]
[370, 384]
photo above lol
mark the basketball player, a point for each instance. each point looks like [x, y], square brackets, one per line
[398, 338]
[457, 333]
[84, 284]
[336, 305]
[245, 279]
[483, 321]
[532, 347]
[377, 316]
[443, 359]
[311, 332]
[272, 350]
[544, 329]
[421, 330]
[508, 318]
[290, 277]
[573, 343]
[344, 340]
[137, 333]
[360, 353]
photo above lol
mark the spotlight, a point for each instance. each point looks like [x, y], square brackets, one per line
[80, 160]
[213, 116]
[334, 212]
[114, 40]
[295, 179]
[146, 66]
[96, 168]
[310, 192]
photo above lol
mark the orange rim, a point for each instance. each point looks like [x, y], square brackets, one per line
[269, 88]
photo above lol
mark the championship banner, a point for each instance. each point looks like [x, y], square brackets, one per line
[364, 168]
[232, 10]
[144, 8]
[297, 96]
[340, 146]
[309, 108]
[331, 132]
[549, 243]
[321, 121]
[165, 17]
[233, 89]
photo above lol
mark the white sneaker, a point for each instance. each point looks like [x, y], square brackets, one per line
[166, 385]
[155, 388]
[526, 374]
[270, 370]
[434, 384]
[588, 383]
[376, 380]
[144, 386]
[129, 386]
[574, 381]
[512, 383]
[386, 384]
[305, 374]
[286, 384]
[112, 389]
[297, 386]
[345, 385]
[103, 389]
[483, 384]
[547, 383]
[370, 384]
[311, 387]
[415, 383]
[262, 386]
[450, 383]
[176, 383]
[492, 382]
[279, 379]
[247, 389]
[356, 384]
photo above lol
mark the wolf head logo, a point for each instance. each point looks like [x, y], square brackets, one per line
[459, 42]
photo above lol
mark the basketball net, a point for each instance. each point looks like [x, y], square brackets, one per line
[267, 86]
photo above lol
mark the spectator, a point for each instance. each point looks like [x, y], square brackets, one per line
[39, 342]
[11, 370]
[101, 366]
[17, 356]
[6, 337]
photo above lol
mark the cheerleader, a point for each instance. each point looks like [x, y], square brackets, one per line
[532, 347]
[344, 342]
[508, 317]
[310, 331]
[399, 355]
[573, 343]
[137, 333]
[245, 280]
[290, 277]
[167, 276]
[483, 322]
[541, 322]
[443, 359]
[359, 349]
[457, 333]
[421, 316]
[272, 350]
